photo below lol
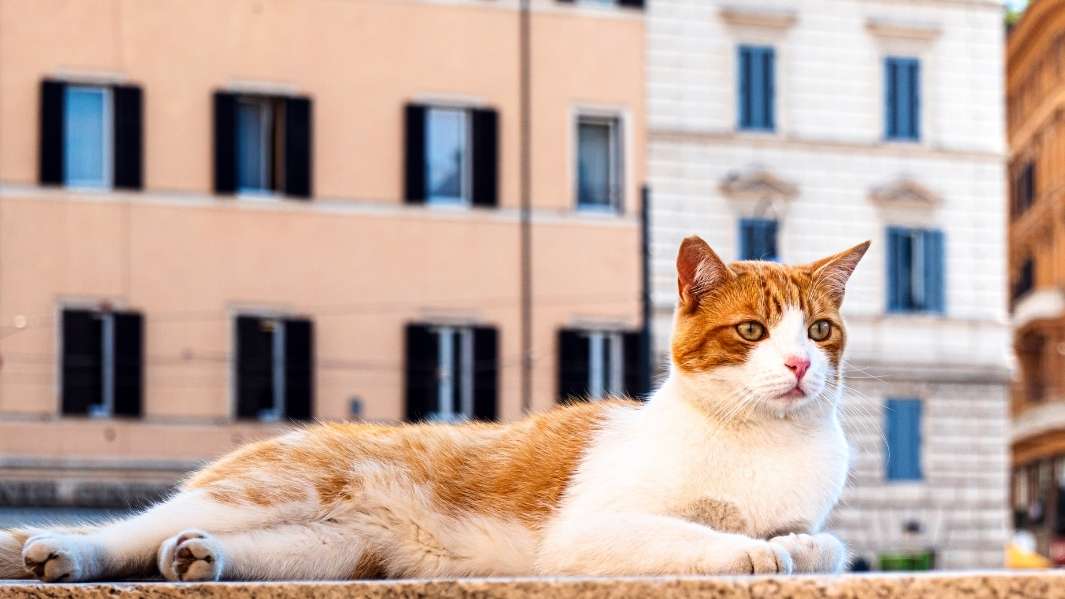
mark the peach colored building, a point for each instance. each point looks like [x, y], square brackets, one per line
[219, 216]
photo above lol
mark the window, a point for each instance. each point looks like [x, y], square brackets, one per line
[451, 155]
[598, 164]
[756, 88]
[452, 372]
[274, 368]
[91, 135]
[593, 364]
[102, 363]
[1024, 189]
[902, 424]
[758, 239]
[628, 3]
[263, 145]
[1025, 280]
[916, 277]
[902, 98]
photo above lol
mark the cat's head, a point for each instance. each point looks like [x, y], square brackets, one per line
[760, 338]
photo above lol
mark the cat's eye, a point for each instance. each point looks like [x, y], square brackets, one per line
[751, 330]
[820, 330]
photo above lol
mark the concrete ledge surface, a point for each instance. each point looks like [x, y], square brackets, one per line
[978, 585]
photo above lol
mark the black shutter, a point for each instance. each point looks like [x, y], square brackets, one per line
[637, 381]
[414, 154]
[82, 383]
[299, 147]
[573, 356]
[255, 367]
[485, 373]
[129, 364]
[485, 157]
[129, 136]
[299, 369]
[422, 363]
[52, 126]
[631, 3]
[225, 142]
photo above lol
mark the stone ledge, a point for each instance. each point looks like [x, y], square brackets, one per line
[1044, 584]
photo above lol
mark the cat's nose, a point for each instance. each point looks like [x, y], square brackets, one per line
[798, 365]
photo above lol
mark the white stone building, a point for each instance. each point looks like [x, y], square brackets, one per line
[798, 129]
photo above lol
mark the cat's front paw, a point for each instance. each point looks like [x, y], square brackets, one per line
[758, 557]
[822, 553]
[52, 557]
[191, 556]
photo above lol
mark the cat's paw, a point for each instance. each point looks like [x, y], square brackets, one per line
[821, 553]
[759, 557]
[52, 557]
[191, 556]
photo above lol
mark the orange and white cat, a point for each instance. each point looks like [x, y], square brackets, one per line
[732, 466]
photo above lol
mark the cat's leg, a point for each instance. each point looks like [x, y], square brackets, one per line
[620, 544]
[313, 551]
[127, 548]
[817, 553]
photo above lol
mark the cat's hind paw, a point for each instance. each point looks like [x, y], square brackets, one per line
[191, 556]
[52, 557]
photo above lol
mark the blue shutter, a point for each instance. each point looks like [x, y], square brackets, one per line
[743, 80]
[904, 120]
[758, 239]
[895, 240]
[757, 93]
[890, 112]
[914, 73]
[770, 91]
[902, 424]
[746, 243]
[934, 271]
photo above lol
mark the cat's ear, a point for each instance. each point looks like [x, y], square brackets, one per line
[831, 273]
[699, 270]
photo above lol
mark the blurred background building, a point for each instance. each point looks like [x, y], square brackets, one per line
[217, 217]
[1035, 86]
[793, 130]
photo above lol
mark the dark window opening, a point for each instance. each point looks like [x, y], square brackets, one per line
[452, 372]
[597, 363]
[275, 368]
[102, 363]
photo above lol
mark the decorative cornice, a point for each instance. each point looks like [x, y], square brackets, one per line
[904, 192]
[903, 29]
[758, 17]
[757, 184]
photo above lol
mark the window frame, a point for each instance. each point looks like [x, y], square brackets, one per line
[615, 163]
[109, 360]
[744, 252]
[606, 350]
[465, 197]
[280, 409]
[270, 137]
[914, 135]
[917, 270]
[107, 124]
[744, 91]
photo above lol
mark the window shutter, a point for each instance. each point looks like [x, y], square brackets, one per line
[769, 57]
[422, 376]
[485, 373]
[890, 110]
[225, 143]
[255, 364]
[299, 369]
[934, 270]
[485, 157]
[82, 362]
[129, 137]
[903, 432]
[299, 147]
[573, 365]
[631, 3]
[743, 82]
[414, 154]
[895, 277]
[756, 81]
[52, 126]
[129, 364]
[769, 240]
[914, 73]
[637, 381]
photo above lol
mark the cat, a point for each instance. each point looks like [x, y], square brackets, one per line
[730, 467]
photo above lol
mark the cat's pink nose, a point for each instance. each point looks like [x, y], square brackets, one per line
[798, 365]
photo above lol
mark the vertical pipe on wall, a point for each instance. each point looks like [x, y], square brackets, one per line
[646, 361]
[526, 209]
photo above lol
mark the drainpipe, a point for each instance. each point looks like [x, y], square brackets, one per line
[526, 208]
